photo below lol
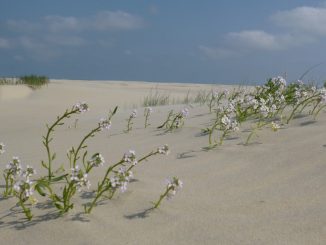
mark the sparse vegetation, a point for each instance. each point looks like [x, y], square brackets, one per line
[32, 81]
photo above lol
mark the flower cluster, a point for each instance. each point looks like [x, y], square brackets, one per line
[13, 168]
[148, 110]
[173, 185]
[164, 150]
[104, 124]
[121, 179]
[275, 126]
[133, 114]
[81, 107]
[228, 124]
[179, 119]
[130, 157]
[23, 185]
[79, 178]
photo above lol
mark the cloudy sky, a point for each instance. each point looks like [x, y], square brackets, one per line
[226, 41]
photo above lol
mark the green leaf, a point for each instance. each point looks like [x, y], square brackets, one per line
[39, 190]
[59, 178]
[115, 110]
[44, 165]
[58, 206]
[53, 156]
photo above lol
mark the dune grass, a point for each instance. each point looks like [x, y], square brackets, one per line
[155, 98]
[32, 81]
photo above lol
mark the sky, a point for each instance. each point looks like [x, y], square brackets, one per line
[198, 41]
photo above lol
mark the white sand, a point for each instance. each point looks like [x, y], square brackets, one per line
[270, 192]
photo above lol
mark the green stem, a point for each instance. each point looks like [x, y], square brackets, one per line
[297, 106]
[317, 112]
[26, 210]
[90, 134]
[100, 187]
[162, 197]
[48, 139]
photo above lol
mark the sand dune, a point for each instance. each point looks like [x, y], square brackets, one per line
[270, 192]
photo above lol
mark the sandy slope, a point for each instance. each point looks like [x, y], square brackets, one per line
[270, 192]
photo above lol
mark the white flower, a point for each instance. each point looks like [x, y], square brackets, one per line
[164, 149]
[323, 95]
[81, 107]
[275, 126]
[121, 179]
[185, 112]
[133, 114]
[2, 148]
[130, 157]
[173, 185]
[104, 124]
[28, 172]
[226, 92]
[226, 121]
[148, 110]
[279, 81]
[78, 177]
[14, 168]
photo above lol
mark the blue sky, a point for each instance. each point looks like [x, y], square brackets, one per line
[223, 41]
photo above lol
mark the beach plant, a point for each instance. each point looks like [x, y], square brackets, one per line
[175, 120]
[23, 190]
[47, 139]
[118, 175]
[178, 119]
[147, 112]
[77, 179]
[10, 174]
[173, 185]
[215, 98]
[18, 183]
[167, 122]
[132, 116]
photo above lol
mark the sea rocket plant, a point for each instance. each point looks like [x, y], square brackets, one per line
[122, 174]
[11, 173]
[172, 187]
[129, 121]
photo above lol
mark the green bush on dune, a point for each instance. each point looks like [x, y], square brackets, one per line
[32, 81]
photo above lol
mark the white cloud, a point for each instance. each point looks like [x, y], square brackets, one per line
[303, 19]
[119, 20]
[216, 53]
[4, 43]
[102, 21]
[303, 25]
[47, 37]
[23, 26]
[261, 40]
[60, 23]
[255, 39]
[65, 40]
